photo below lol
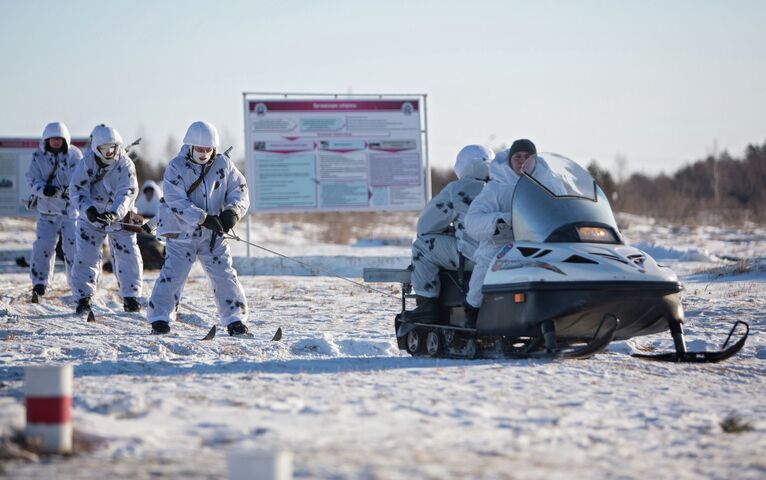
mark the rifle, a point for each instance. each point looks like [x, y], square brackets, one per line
[214, 236]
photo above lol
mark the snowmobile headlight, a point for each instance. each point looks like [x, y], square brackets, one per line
[596, 234]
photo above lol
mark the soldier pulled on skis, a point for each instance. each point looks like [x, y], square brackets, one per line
[204, 197]
[104, 188]
[48, 180]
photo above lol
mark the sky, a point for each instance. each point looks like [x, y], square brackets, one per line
[661, 83]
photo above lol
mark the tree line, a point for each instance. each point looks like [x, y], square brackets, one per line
[717, 189]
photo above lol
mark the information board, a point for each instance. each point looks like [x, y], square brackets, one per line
[15, 157]
[335, 154]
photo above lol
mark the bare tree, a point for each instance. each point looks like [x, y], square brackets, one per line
[171, 149]
[621, 168]
[440, 177]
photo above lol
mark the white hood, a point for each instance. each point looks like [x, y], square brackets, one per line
[104, 135]
[500, 169]
[472, 161]
[147, 207]
[201, 134]
[151, 183]
[55, 129]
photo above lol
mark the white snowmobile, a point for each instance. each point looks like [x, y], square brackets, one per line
[566, 287]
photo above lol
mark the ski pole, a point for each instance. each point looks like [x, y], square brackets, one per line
[233, 236]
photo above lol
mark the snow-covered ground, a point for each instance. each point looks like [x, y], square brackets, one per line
[338, 394]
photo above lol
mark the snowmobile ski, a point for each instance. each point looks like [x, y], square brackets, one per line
[682, 356]
[598, 343]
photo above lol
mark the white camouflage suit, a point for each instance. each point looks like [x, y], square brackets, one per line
[108, 188]
[493, 203]
[145, 207]
[55, 213]
[441, 230]
[181, 215]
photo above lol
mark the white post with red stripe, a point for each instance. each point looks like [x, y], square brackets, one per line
[48, 399]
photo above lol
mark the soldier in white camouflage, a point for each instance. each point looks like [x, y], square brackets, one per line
[205, 195]
[441, 231]
[48, 180]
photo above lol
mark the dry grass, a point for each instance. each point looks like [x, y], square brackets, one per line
[736, 424]
[745, 265]
[344, 227]
[15, 447]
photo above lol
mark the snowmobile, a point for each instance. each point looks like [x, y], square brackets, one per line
[565, 288]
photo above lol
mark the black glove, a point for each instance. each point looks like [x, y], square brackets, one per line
[92, 214]
[213, 223]
[106, 218]
[229, 218]
[501, 226]
[49, 190]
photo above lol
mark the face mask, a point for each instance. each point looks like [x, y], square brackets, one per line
[202, 155]
[107, 152]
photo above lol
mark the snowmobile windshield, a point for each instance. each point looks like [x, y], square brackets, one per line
[556, 200]
[561, 176]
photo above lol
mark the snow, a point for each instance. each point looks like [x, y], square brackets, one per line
[340, 396]
[687, 254]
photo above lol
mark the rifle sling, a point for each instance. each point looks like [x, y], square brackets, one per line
[53, 172]
[196, 183]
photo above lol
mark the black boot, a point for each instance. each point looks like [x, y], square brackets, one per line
[471, 315]
[160, 327]
[130, 304]
[236, 328]
[37, 292]
[426, 311]
[83, 305]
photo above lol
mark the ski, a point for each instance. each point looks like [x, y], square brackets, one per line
[212, 332]
[702, 357]
[210, 335]
[277, 335]
[596, 345]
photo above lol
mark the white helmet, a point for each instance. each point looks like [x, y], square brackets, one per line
[105, 143]
[201, 134]
[473, 161]
[55, 129]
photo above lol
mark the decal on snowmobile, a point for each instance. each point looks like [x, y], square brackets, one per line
[504, 264]
[507, 248]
